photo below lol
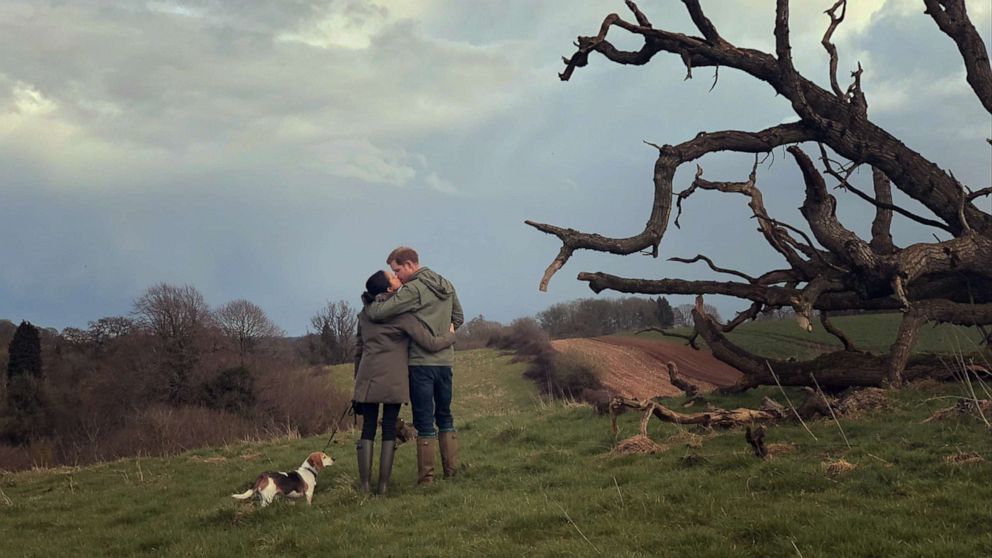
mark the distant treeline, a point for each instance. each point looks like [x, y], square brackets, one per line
[591, 317]
[176, 374]
[173, 375]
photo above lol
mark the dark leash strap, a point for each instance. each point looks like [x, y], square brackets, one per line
[349, 409]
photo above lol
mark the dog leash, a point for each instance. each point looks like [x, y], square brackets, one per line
[337, 424]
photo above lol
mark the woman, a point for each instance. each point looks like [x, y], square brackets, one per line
[381, 374]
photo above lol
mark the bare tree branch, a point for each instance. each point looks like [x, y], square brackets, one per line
[713, 266]
[749, 314]
[777, 239]
[703, 23]
[669, 159]
[642, 19]
[835, 20]
[690, 339]
[881, 236]
[952, 18]
[830, 328]
[980, 193]
[841, 124]
[878, 203]
[820, 210]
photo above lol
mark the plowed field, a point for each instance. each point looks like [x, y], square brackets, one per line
[635, 367]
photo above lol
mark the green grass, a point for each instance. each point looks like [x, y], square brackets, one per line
[539, 480]
[871, 332]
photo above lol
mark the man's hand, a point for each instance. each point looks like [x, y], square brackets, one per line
[451, 328]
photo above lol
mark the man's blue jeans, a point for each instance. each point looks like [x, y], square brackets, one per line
[430, 396]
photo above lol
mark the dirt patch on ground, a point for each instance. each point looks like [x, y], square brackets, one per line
[635, 367]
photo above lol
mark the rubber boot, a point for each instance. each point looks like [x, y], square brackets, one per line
[449, 452]
[385, 465]
[425, 460]
[365, 448]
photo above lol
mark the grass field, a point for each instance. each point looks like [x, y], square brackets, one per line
[539, 479]
[871, 332]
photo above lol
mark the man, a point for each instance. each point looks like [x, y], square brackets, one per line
[432, 299]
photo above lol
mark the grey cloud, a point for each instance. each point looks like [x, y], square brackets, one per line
[176, 83]
[204, 149]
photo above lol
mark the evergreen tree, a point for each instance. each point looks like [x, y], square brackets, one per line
[25, 352]
[664, 313]
[26, 404]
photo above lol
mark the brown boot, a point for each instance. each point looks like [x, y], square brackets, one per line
[449, 452]
[425, 460]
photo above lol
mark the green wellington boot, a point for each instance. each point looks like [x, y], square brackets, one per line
[385, 465]
[365, 448]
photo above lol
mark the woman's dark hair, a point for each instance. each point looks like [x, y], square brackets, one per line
[377, 284]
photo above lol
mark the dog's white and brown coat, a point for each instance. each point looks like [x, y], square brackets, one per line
[295, 484]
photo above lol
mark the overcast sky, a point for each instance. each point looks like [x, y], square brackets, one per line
[277, 151]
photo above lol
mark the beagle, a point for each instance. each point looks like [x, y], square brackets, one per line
[300, 482]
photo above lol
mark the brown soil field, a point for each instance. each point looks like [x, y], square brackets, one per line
[635, 367]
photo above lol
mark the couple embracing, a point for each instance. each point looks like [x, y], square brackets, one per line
[404, 354]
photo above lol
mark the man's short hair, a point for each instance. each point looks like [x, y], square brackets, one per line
[402, 255]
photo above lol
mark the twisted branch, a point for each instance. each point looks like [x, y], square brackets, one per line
[669, 159]
[835, 21]
[952, 18]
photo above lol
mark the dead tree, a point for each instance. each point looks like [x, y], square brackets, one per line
[691, 390]
[815, 405]
[770, 412]
[835, 270]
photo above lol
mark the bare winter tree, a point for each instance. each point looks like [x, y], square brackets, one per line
[334, 339]
[177, 316]
[683, 314]
[245, 323]
[944, 281]
[107, 329]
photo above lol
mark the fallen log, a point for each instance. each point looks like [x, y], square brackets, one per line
[713, 417]
[816, 404]
[836, 370]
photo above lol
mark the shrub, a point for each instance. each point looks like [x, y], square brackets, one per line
[477, 333]
[233, 390]
[165, 430]
[556, 374]
[524, 336]
[303, 399]
[14, 458]
[574, 373]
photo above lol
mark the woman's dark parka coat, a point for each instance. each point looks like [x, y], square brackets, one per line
[381, 356]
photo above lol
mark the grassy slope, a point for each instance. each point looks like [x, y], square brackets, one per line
[538, 481]
[873, 332]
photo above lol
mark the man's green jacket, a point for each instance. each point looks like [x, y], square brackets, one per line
[432, 299]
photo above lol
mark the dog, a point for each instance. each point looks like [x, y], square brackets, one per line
[404, 432]
[300, 482]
